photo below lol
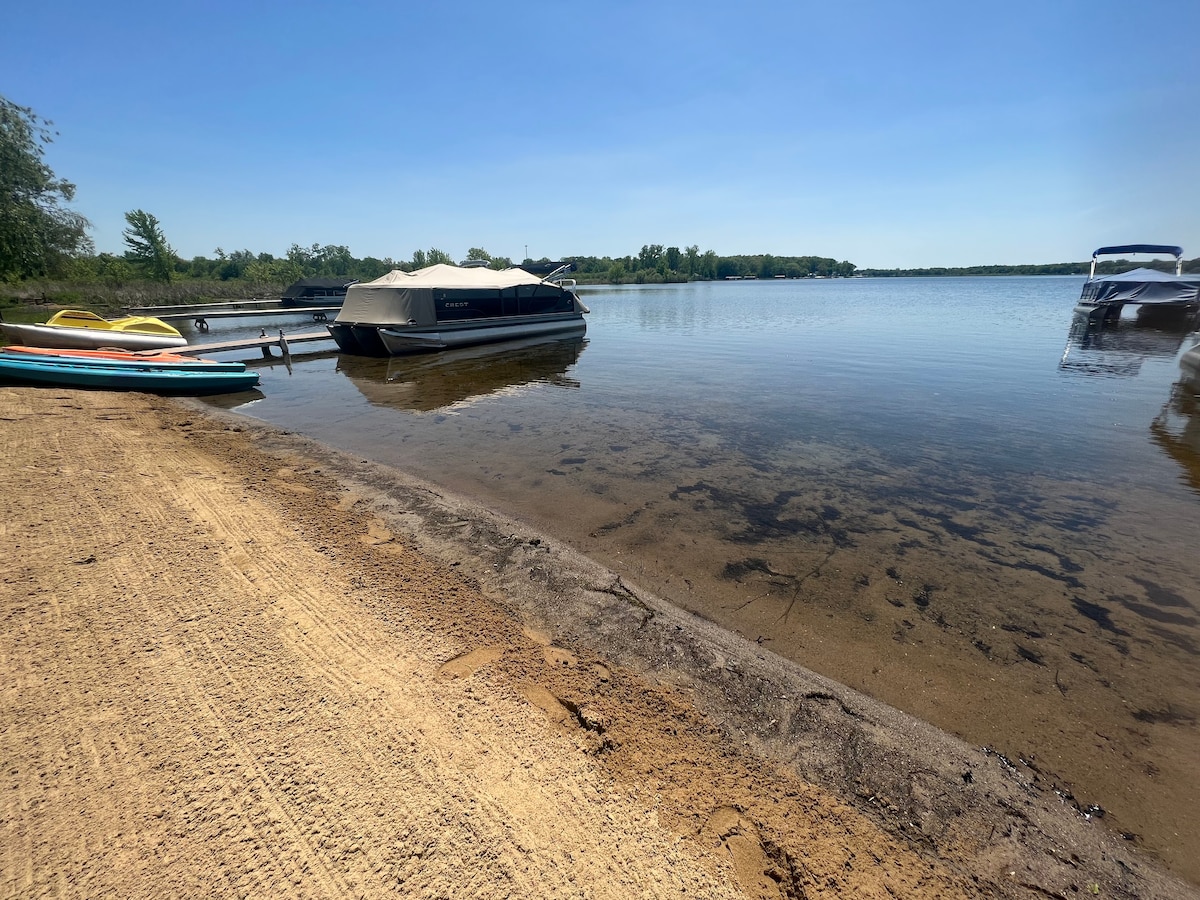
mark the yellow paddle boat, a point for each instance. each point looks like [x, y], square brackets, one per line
[80, 329]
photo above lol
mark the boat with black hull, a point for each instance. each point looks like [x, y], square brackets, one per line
[316, 292]
[1156, 294]
[444, 306]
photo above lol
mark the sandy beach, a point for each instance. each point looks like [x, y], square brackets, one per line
[238, 663]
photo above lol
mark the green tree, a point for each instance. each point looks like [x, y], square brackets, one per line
[692, 254]
[649, 256]
[304, 259]
[37, 234]
[333, 261]
[728, 267]
[104, 269]
[370, 268]
[148, 245]
[673, 259]
[231, 265]
[328, 262]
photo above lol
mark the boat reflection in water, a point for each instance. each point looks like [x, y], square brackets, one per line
[1176, 429]
[454, 378]
[1118, 348]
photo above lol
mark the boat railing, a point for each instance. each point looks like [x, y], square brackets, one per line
[556, 277]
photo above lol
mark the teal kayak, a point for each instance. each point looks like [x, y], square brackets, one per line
[161, 378]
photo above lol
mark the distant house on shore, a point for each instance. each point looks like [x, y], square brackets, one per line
[317, 292]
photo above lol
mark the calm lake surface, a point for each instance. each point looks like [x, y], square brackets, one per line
[937, 491]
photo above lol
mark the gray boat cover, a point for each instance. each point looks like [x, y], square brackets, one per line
[1144, 286]
[402, 297]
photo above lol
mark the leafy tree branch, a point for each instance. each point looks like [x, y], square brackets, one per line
[38, 235]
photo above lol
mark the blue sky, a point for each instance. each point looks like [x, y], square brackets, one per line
[887, 134]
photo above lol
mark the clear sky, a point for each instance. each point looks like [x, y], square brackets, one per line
[884, 133]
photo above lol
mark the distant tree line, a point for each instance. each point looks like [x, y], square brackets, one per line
[150, 257]
[656, 264]
[1105, 267]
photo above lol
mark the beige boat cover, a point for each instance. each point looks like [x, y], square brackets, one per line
[401, 297]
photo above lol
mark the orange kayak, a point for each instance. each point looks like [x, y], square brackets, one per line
[121, 355]
[12, 358]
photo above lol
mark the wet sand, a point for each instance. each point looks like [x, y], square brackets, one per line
[238, 662]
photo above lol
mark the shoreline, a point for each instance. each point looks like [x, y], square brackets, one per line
[1018, 602]
[981, 825]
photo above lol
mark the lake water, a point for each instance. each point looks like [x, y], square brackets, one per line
[936, 491]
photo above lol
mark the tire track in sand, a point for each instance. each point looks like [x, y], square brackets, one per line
[202, 715]
[341, 652]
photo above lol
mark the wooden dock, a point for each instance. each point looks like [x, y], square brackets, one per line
[264, 342]
[200, 313]
[183, 310]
